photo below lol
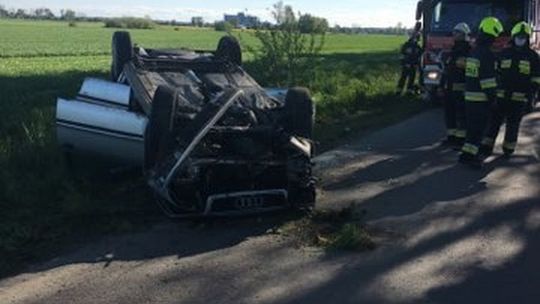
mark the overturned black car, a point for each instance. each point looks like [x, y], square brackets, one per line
[210, 139]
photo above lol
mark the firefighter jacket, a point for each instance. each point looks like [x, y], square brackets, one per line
[519, 73]
[411, 53]
[480, 75]
[455, 66]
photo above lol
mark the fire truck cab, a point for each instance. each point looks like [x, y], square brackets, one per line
[438, 18]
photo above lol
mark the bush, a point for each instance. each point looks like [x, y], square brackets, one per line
[284, 52]
[114, 23]
[223, 26]
[72, 24]
[130, 23]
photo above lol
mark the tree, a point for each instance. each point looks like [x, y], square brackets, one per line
[284, 51]
[223, 26]
[3, 12]
[197, 21]
[20, 14]
[283, 14]
[68, 15]
[310, 24]
[43, 13]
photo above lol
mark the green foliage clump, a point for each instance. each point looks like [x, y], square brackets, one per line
[223, 26]
[309, 24]
[130, 23]
[284, 51]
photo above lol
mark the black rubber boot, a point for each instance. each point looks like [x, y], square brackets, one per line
[485, 151]
[459, 144]
[470, 160]
[450, 141]
[508, 153]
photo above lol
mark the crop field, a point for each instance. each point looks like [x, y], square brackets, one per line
[45, 202]
[42, 38]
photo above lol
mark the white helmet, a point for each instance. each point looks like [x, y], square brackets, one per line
[463, 28]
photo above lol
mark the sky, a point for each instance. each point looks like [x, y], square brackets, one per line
[364, 13]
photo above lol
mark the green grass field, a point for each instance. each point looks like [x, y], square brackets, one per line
[42, 38]
[44, 203]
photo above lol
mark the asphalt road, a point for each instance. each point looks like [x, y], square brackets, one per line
[446, 234]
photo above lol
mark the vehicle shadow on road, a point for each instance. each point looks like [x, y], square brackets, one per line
[468, 240]
[448, 268]
[178, 238]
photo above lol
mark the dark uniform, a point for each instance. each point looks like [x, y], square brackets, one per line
[480, 95]
[455, 88]
[411, 53]
[519, 73]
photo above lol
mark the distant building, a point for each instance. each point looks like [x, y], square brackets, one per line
[242, 20]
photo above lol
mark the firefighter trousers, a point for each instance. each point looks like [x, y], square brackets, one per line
[461, 116]
[511, 112]
[477, 117]
[408, 75]
[455, 117]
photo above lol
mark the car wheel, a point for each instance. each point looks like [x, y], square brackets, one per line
[299, 113]
[159, 136]
[229, 49]
[302, 198]
[122, 53]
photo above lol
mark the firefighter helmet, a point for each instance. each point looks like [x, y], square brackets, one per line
[463, 28]
[491, 26]
[522, 28]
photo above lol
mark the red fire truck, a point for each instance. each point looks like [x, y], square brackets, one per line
[438, 18]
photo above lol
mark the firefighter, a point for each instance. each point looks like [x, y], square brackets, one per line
[519, 76]
[455, 86]
[410, 61]
[480, 89]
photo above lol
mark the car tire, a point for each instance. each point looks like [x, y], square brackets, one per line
[303, 199]
[299, 113]
[122, 53]
[229, 49]
[159, 138]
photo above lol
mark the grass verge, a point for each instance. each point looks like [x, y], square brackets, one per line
[48, 205]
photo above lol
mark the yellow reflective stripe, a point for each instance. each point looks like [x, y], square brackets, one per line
[506, 64]
[500, 93]
[488, 83]
[536, 80]
[525, 67]
[458, 87]
[510, 146]
[519, 97]
[472, 67]
[461, 133]
[488, 141]
[470, 149]
[475, 96]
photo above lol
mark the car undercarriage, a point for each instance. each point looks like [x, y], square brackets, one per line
[211, 141]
